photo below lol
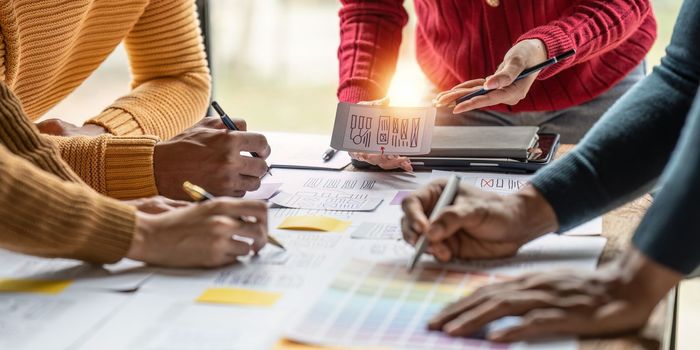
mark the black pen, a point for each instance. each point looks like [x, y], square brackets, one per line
[328, 154]
[232, 126]
[198, 194]
[522, 75]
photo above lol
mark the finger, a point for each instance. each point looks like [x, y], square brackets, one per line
[542, 323]
[409, 235]
[451, 219]
[235, 208]
[253, 142]
[238, 248]
[251, 166]
[417, 204]
[440, 251]
[453, 95]
[386, 162]
[255, 231]
[241, 124]
[453, 310]
[211, 123]
[513, 65]
[472, 320]
[470, 84]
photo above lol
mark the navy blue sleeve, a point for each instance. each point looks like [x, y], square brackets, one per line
[625, 153]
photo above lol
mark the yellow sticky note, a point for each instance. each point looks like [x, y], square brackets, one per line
[314, 223]
[33, 286]
[238, 296]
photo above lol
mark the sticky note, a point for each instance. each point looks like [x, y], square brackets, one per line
[239, 296]
[33, 286]
[286, 344]
[314, 223]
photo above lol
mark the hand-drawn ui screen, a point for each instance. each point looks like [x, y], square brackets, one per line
[383, 130]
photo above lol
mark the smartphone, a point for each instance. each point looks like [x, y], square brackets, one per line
[548, 144]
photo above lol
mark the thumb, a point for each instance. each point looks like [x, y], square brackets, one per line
[506, 74]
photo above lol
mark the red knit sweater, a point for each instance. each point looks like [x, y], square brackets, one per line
[459, 40]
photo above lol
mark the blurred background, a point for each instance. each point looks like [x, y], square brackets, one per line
[274, 64]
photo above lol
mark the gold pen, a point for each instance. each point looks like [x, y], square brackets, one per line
[198, 194]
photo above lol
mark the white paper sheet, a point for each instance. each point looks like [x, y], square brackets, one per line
[543, 254]
[385, 130]
[123, 276]
[376, 230]
[150, 321]
[326, 200]
[35, 321]
[510, 183]
[303, 151]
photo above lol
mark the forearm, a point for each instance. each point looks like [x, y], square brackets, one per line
[117, 166]
[592, 27]
[171, 83]
[370, 37]
[669, 233]
[43, 215]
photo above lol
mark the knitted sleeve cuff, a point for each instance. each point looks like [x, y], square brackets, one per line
[129, 167]
[556, 41]
[356, 92]
[117, 122]
[118, 166]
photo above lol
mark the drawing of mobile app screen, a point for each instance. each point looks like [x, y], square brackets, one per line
[383, 130]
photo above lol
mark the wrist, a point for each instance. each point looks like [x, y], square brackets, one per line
[144, 225]
[534, 214]
[643, 279]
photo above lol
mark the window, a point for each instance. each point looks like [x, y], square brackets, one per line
[274, 63]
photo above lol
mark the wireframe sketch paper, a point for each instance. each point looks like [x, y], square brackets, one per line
[383, 130]
[327, 201]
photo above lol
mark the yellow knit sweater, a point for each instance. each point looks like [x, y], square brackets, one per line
[45, 208]
[48, 47]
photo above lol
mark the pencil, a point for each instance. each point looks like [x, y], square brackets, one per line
[446, 198]
[198, 194]
[232, 126]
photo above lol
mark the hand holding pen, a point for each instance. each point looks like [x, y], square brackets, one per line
[232, 126]
[508, 85]
[198, 194]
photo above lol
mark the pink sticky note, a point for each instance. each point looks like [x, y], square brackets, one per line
[266, 191]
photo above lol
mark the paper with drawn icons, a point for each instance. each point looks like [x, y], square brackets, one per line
[383, 130]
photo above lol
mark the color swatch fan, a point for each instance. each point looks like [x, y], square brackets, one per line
[380, 305]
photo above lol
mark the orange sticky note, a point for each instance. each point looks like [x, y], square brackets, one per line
[239, 296]
[33, 286]
[314, 223]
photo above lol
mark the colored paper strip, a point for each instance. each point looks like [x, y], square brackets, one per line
[314, 223]
[239, 296]
[33, 286]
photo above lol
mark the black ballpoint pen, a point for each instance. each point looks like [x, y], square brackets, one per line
[522, 75]
[328, 154]
[232, 126]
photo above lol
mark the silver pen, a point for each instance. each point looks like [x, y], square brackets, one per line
[446, 198]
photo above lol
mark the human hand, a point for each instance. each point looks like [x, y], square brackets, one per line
[479, 224]
[59, 127]
[506, 90]
[386, 162]
[200, 235]
[211, 158]
[615, 299]
[156, 204]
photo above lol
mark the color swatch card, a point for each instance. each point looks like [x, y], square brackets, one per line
[381, 305]
[320, 200]
[376, 230]
[384, 130]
